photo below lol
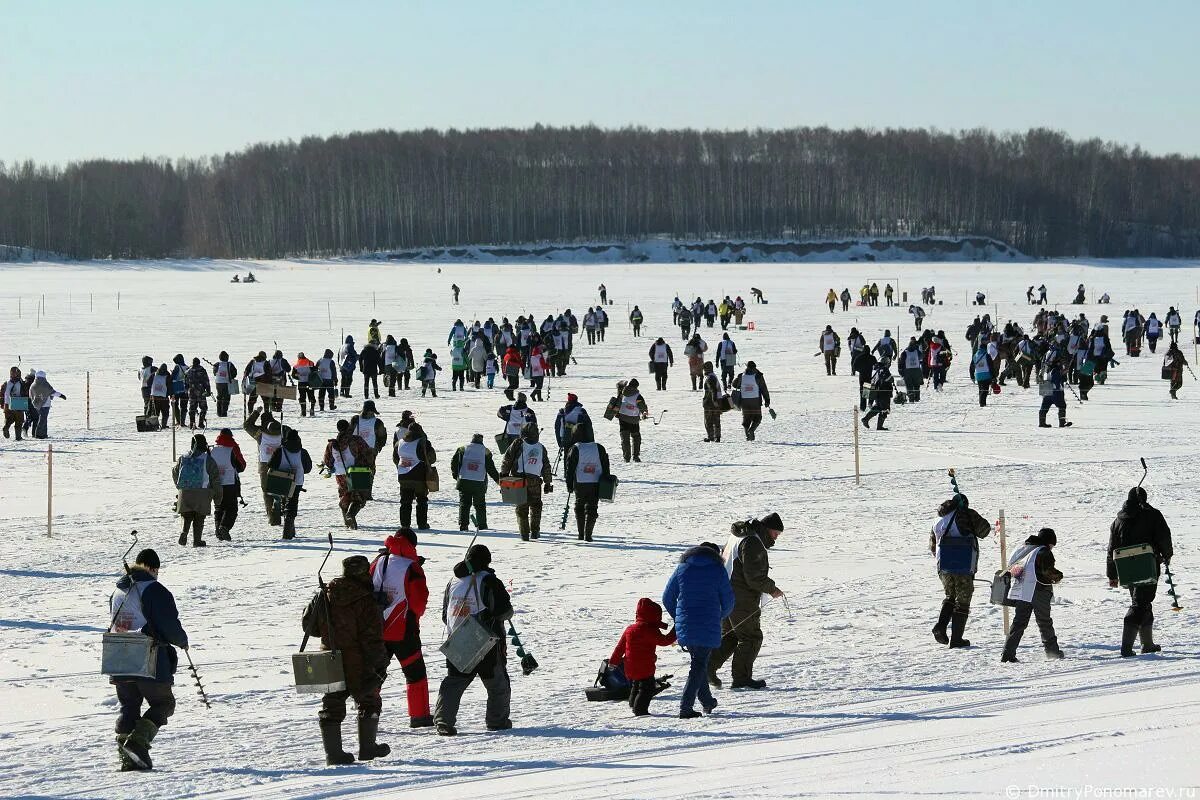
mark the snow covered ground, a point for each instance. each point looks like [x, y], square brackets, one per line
[861, 702]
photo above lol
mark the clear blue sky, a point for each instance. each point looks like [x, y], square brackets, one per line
[122, 79]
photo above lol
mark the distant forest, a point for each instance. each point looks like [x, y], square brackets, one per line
[1039, 191]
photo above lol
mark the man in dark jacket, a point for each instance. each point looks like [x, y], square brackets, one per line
[752, 394]
[713, 402]
[355, 627]
[529, 460]
[749, 570]
[471, 467]
[142, 604]
[291, 457]
[956, 519]
[476, 592]
[369, 361]
[1138, 522]
[699, 598]
[587, 465]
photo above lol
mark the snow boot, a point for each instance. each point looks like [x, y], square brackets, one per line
[753, 684]
[446, 730]
[1042, 420]
[1128, 632]
[368, 748]
[223, 534]
[958, 624]
[198, 533]
[939, 630]
[713, 679]
[1054, 654]
[1146, 632]
[127, 764]
[137, 745]
[690, 713]
[879, 422]
[1008, 658]
[331, 738]
[535, 521]
[421, 722]
[502, 725]
[289, 528]
[709, 707]
[1062, 420]
[184, 535]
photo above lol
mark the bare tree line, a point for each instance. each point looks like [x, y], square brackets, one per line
[1039, 191]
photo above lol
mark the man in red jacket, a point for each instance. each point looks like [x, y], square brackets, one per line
[399, 578]
[635, 652]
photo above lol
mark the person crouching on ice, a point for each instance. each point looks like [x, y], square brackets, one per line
[635, 653]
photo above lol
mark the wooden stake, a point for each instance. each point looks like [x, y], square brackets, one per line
[329, 314]
[49, 490]
[174, 458]
[1003, 563]
[854, 423]
[88, 404]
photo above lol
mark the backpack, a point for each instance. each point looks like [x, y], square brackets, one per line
[192, 472]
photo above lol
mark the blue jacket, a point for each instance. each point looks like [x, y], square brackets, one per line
[162, 621]
[698, 597]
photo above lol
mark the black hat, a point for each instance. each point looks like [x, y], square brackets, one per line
[772, 522]
[355, 565]
[1048, 536]
[148, 558]
[369, 405]
[479, 557]
[1137, 496]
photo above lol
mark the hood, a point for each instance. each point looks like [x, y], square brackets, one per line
[227, 440]
[136, 574]
[650, 612]
[699, 553]
[461, 571]
[400, 546]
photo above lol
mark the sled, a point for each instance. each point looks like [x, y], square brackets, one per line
[513, 491]
[132, 654]
[1136, 565]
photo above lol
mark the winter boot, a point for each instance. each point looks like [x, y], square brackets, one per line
[421, 722]
[303, 410]
[198, 533]
[591, 527]
[446, 730]
[289, 528]
[535, 522]
[754, 684]
[939, 630]
[879, 424]
[1062, 419]
[368, 748]
[1042, 420]
[1008, 658]
[958, 624]
[331, 738]
[127, 764]
[183, 536]
[1054, 654]
[690, 713]
[1146, 632]
[509, 394]
[137, 745]
[713, 679]
[223, 534]
[1128, 632]
[523, 524]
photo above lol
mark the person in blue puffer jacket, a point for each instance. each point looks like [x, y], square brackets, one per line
[698, 597]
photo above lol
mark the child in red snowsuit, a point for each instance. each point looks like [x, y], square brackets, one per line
[635, 652]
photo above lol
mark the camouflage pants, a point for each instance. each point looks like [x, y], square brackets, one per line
[959, 589]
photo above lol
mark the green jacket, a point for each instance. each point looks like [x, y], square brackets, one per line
[751, 565]
[469, 486]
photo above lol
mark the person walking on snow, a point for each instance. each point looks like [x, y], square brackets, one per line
[749, 568]
[402, 592]
[230, 464]
[714, 404]
[698, 597]
[471, 466]
[661, 358]
[1032, 590]
[954, 543]
[198, 480]
[527, 459]
[751, 394]
[587, 465]
[1139, 523]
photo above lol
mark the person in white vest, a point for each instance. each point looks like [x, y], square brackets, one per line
[631, 410]
[141, 604]
[370, 427]
[516, 417]
[956, 564]
[327, 375]
[160, 390]
[198, 480]
[830, 345]
[471, 467]
[587, 464]
[342, 452]
[12, 394]
[291, 456]
[751, 394]
[727, 360]
[1032, 589]
[1153, 331]
[146, 374]
[528, 459]
[569, 417]
[476, 592]
[224, 374]
[661, 358]
[399, 580]
[230, 463]
[269, 436]
[413, 457]
[257, 369]
[1174, 321]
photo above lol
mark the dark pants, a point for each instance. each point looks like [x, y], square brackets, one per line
[830, 362]
[938, 374]
[197, 406]
[742, 638]
[697, 681]
[631, 439]
[984, 388]
[1141, 607]
[660, 376]
[1086, 383]
[472, 498]
[637, 329]
[14, 419]
[347, 382]
[225, 512]
[641, 692]
[162, 407]
[333, 705]
[43, 420]
[410, 494]
[726, 376]
[712, 424]
[514, 381]
[31, 418]
[587, 507]
[308, 397]
[222, 399]
[458, 379]
[132, 693]
[1040, 610]
[412, 663]
[370, 381]
[751, 419]
[493, 671]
